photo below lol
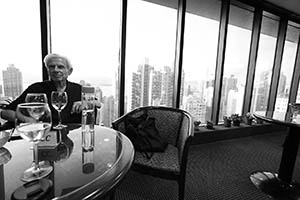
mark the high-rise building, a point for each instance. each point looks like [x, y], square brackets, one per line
[108, 111]
[140, 88]
[281, 86]
[145, 70]
[135, 90]
[156, 88]
[167, 86]
[229, 86]
[196, 106]
[153, 87]
[12, 81]
[262, 91]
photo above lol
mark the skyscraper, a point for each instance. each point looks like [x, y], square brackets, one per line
[140, 88]
[167, 86]
[135, 90]
[262, 94]
[156, 88]
[12, 81]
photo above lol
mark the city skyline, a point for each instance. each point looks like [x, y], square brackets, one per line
[151, 86]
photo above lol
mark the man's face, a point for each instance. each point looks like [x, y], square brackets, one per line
[58, 70]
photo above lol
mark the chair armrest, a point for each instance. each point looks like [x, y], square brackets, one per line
[186, 131]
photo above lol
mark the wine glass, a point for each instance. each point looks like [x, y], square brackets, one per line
[64, 147]
[36, 97]
[32, 123]
[59, 101]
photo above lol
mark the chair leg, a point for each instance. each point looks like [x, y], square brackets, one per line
[181, 186]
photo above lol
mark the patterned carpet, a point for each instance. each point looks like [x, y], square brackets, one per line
[216, 171]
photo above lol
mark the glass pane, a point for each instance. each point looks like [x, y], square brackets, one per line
[298, 94]
[236, 61]
[80, 31]
[151, 33]
[20, 39]
[199, 57]
[264, 63]
[287, 67]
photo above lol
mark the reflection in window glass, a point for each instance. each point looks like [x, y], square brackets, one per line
[287, 67]
[264, 63]
[236, 60]
[21, 61]
[150, 50]
[92, 45]
[199, 57]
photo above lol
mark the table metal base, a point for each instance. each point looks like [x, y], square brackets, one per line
[270, 184]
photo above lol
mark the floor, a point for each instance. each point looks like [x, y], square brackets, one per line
[216, 171]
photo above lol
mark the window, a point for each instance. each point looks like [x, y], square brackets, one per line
[199, 57]
[236, 60]
[150, 51]
[264, 64]
[87, 32]
[287, 67]
[20, 39]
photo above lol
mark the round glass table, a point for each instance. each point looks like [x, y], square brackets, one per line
[77, 173]
[280, 185]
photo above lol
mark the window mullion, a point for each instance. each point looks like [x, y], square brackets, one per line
[277, 63]
[121, 71]
[44, 34]
[295, 77]
[224, 18]
[179, 52]
[252, 60]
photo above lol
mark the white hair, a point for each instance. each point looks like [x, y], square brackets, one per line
[54, 56]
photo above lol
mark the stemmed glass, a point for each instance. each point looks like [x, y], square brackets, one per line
[36, 97]
[59, 101]
[32, 123]
[63, 149]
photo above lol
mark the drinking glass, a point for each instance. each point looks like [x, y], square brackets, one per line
[32, 123]
[36, 97]
[64, 147]
[59, 101]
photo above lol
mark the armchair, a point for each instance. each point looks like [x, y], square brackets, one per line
[176, 127]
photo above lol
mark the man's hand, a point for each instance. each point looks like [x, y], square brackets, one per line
[76, 108]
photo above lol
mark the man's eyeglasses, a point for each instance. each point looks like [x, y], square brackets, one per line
[58, 66]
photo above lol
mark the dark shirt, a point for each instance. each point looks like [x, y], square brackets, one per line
[74, 94]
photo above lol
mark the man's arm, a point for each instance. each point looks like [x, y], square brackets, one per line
[9, 115]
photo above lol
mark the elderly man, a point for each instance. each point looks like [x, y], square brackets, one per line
[59, 68]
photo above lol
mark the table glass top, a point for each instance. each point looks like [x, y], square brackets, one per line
[73, 168]
[292, 118]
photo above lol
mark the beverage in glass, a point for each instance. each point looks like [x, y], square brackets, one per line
[36, 97]
[88, 118]
[32, 123]
[59, 101]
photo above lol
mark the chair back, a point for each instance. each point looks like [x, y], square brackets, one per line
[169, 121]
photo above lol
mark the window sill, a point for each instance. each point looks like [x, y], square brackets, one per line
[220, 132]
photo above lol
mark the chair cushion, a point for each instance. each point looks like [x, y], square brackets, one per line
[165, 161]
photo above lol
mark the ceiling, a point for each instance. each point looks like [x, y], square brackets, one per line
[290, 5]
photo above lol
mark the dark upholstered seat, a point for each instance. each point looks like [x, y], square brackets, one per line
[176, 128]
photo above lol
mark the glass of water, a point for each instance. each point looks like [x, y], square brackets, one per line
[32, 123]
